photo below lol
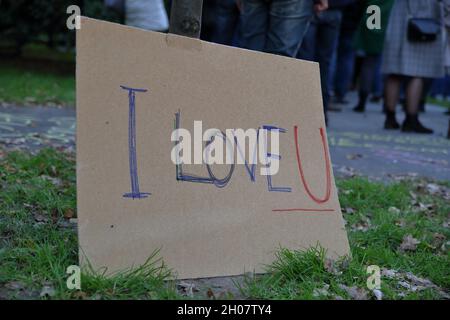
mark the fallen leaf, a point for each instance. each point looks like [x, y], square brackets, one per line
[400, 223]
[438, 239]
[349, 210]
[354, 292]
[69, 213]
[187, 288]
[330, 267]
[47, 291]
[80, 295]
[321, 292]
[354, 156]
[378, 294]
[15, 285]
[210, 294]
[409, 243]
[389, 273]
[55, 181]
[394, 210]
[362, 226]
[40, 218]
[433, 188]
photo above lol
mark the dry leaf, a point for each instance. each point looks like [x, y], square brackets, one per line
[330, 266]
[210, 294]
[389, 273]
[394, 210]
[378, 294]
[15, 285]
[69, 213]
[55, 181]
[80, 295]
[187, 288]
[433, 188]
[349, 210]
[409, 243]
[320, 292]
[47, 291]
[400, 223]
[362, 226]
[40, 218]
[354, 156]
[354, 292]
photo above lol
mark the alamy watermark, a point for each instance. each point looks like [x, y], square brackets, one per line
[74, 19]
[235, 146]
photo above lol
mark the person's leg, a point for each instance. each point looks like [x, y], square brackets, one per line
[344, 65]
[327, 36]
[254, 24]
[289, 21]
[427, 83]
[377, 88]
[368, 68]
[391, 96]
[307, 50]
[413, 96]
[227, 16]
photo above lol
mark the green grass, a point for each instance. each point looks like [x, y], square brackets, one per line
[38, 242]
[441, 103]
[295, 275]
[29, 86]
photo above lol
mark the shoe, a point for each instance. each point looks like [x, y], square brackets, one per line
[391, 123]
[359, 108]
[412, 124]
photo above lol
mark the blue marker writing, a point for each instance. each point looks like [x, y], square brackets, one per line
[135, 193]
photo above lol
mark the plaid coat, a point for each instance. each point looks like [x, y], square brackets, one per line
[402, 57]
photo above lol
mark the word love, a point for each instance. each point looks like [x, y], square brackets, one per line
[213, 153]
[234, 139]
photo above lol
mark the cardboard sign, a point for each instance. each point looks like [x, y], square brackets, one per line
[134, 88]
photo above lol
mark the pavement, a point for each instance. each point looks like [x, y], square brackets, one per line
[358, 144]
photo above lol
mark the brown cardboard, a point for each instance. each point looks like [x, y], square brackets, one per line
[202, 230]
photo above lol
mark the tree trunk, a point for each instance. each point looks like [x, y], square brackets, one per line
[186, 17]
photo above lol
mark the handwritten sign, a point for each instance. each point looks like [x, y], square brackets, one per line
[143, 99]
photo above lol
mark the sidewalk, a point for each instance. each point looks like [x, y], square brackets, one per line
[358, 144]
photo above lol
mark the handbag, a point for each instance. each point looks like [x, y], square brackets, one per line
[423, 29]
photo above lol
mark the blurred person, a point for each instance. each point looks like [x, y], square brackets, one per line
[320, 42]
[146, 14]
[345, 54]
[369, 43]
[405, 58]
[446, 91]
[378, 83]
[208, 19]
[225, 30]
[276, 26]
[447, 29]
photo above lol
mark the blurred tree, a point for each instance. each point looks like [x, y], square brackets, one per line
[24, 21]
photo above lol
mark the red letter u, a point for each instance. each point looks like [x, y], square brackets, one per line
[327, 168]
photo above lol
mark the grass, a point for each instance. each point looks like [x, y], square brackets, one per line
[40, 76]
[30, 86]
[438, 102]
[38, 242]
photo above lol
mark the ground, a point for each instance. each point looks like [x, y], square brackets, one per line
[402, 226]
[397, 215]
